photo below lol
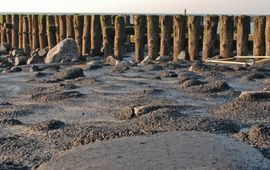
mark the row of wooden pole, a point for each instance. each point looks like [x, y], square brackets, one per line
[165, 34]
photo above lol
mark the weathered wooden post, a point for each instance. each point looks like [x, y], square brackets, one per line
[56, 23]
[259, 36]
[69, 26]
[50, 31]
[120, 37]
[25, 44]
[267, 36]
[194, 29]
[140, 30]
[166, 23]
[107, 35]
[35, 37]
[62, 27]
[96, 35]
[127, 19]
[209, 36]
[86, 35]
[179, 34]
[3, 30]
[15, 29]
[42, 32]
[78, 30]
[226, 36]
[8, 27]
[20, 31]
[153, 36]
[29, 20]
[243, 30]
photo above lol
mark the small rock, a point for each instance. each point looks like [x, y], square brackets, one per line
[95, 64]
[17, 52]
[43, 52]
[120, 68]
[7, 64]
[70, 73]
[164, 58]
[168, 74]
[34, 59]
[111, 60]
[42, 67]
[254, 95]
[20, 60]
[64, 50]
[146, 61]
[197, 66]
[15, 69]
[182, 55]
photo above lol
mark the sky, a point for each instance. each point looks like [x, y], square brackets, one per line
[232, 7]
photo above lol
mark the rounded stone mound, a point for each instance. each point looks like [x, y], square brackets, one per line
[171, 150]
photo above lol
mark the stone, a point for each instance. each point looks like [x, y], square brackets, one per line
[20, 60]
[64, 50]
[111, 60]
[182, 55]
[69, 73]
[43, 52]
[146, 61]
[48, 125]
[197, 66]
[164, 58]
[6, 64]
[15, 69]
[168, 74]
[34, 59]
[95, 64]
[17, 52]
[120, 67]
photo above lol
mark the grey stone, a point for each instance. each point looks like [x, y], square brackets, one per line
[64, 50]
[182, 55]
[20, 60]
[69, 73]
[164, 58]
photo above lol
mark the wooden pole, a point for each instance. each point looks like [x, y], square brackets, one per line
[69, 26]
[127, 19]
[3, 30]
[107, 35]
[259, 35]
[8, 29]
[166, 23]
[140, 30]
[179, 34]
[42, 32]
[50, 31]
[96, 35]
[243, 30]
[62, 27]
[15, 29]
[120, 37]
[267, 36]
[25, 32]
[29, 21]
[194, 29]
[209, 36]
[226, 36]
[78, 30]
[35, 37]
[153, 36]
[20, 31]
[57, 33]
[86, 35]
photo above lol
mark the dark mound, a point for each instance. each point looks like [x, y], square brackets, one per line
[48, 125]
